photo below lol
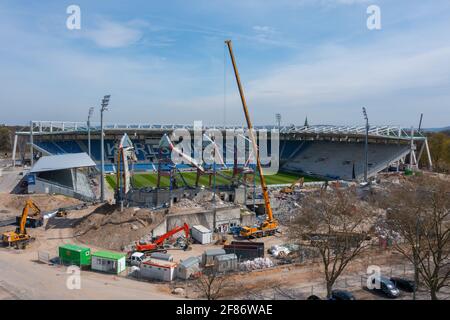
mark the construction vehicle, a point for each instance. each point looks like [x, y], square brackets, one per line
[158, 244]
[61, 213]
[20, 238]
[270, 225]
[291, 188]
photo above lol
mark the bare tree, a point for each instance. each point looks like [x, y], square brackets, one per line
[212, 284]
[419, 212]
[336, 223]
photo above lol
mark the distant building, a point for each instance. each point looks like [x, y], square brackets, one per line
[158, 270]
[107, 261]
[225, 263]
[64, 174]
[208, 256]
[188, 268]
[201, 234]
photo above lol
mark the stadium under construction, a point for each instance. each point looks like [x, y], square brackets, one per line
[320, 151]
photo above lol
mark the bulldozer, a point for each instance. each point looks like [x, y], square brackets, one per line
[20, 238]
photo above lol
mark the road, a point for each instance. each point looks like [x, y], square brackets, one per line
[22, 278]
[9, 178]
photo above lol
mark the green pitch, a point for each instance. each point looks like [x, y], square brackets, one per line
[141, 180]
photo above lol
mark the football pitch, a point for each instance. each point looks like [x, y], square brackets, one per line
[142, 180]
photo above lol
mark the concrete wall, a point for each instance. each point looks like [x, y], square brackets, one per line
[61, 177]
[225, 217]
[222, 218]
[159, 197]
[42, 186]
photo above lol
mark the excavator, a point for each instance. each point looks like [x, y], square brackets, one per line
[291, 188]
[158, 243]
[20, 238]
[270, 225]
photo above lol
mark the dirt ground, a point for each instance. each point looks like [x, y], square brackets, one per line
[11, 204]
[107, 227]
[24, 277]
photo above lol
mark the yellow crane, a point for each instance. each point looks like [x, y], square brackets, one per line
[20, 238]
[270, 225]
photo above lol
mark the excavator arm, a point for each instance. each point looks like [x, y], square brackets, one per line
[158, 242]
[20, 238]
[25, 212]
[161, 239]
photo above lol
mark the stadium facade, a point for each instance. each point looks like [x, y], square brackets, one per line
[330, 152]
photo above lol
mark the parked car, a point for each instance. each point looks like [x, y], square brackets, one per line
[387, 287]
[342, 295]
[404, 284]
[136, 258]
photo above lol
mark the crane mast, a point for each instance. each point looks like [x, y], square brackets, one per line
[252, 135]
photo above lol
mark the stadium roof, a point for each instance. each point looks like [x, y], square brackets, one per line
[63, 161]
[386, 131]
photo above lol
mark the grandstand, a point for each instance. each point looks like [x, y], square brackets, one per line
[330, 152]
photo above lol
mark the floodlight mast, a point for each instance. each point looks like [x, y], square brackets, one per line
[104, 107]
[278, 118]
[91, 111]
[366, 146]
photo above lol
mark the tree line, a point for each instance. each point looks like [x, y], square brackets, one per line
[439, 143]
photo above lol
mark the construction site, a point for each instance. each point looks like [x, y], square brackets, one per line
[143, 216]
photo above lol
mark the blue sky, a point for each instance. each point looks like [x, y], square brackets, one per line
[164, 61]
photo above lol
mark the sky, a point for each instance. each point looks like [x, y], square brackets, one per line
[165, 62]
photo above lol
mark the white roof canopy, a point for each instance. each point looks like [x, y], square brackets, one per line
[63, 161]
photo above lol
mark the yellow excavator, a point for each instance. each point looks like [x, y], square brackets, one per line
[291, 188]
[20, 238]
[270, 225]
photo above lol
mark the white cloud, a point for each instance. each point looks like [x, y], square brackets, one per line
[264, 29]
[109, 34]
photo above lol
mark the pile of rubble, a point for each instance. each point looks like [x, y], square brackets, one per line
[256, 264]
[287, 206]
[204, 200]
[108, 227]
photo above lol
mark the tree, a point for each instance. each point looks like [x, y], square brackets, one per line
[440, 151]
[419, 212]
[5, 139]
[336, 224]
[211, 284]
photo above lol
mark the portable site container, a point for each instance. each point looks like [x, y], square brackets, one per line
[201, 234]
[107, 261]
[208, 256]
[245, 250]
[226, 262]
[158, 270]
[188, 267]
[75, 255]
[162, 256]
